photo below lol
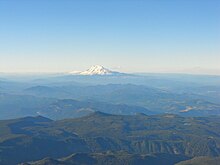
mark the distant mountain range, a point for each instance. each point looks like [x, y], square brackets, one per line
[153, 99]
[61, 109]
[96, 70]
[59, 102]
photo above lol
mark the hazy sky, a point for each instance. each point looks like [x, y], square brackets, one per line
[125, 35]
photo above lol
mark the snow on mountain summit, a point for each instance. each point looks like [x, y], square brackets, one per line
[96, 70]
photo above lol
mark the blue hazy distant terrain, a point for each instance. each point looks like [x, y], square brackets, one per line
[61, 96]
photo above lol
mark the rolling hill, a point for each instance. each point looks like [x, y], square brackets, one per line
[111, 158]
[153, 99]
[34, 138]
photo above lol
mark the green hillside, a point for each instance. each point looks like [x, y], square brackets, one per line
[29, 139]
[201, 161]
[111, 158]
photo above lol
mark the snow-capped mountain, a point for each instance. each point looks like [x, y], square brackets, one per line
[96, 70]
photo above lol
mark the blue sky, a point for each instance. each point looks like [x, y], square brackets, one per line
[126, 35]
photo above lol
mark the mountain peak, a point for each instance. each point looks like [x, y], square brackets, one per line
[96, 70]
